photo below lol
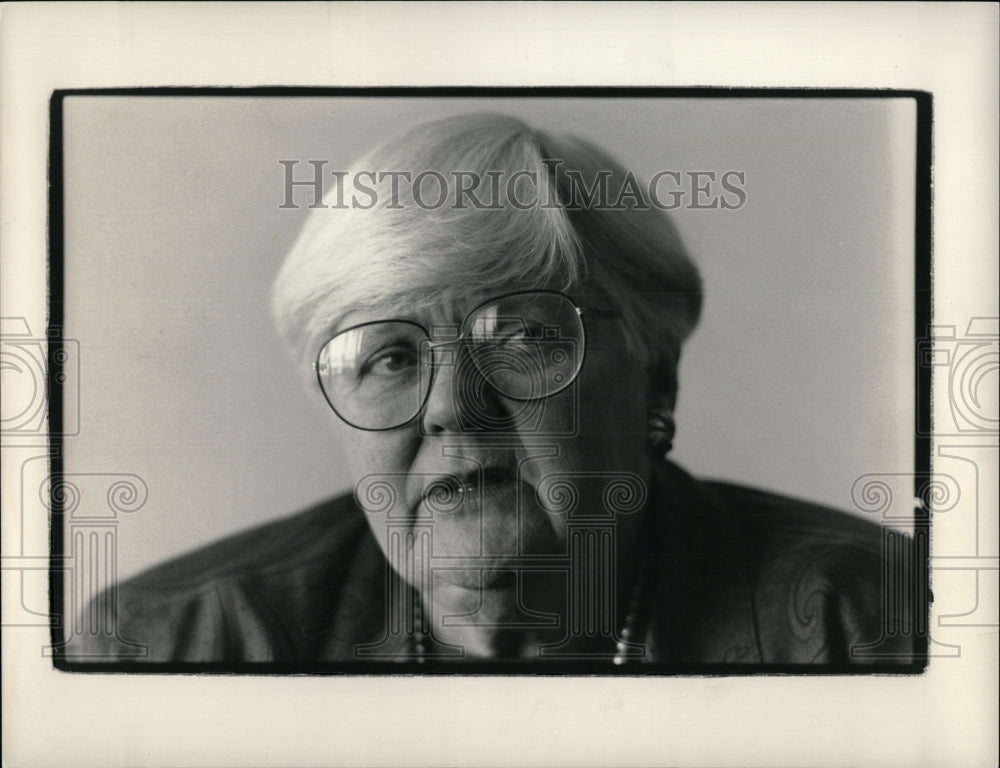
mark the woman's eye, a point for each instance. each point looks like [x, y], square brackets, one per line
[389, 362]
[515, 334]
[514, 337]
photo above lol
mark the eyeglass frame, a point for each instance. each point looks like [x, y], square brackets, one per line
[580, 312]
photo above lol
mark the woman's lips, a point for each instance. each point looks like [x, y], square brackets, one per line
[452, 491]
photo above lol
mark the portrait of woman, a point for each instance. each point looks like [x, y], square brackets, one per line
[595, 385]
[495, 317]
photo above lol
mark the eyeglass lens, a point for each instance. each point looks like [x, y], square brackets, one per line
[525, 346]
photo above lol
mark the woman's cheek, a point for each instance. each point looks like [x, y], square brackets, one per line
[367, 452]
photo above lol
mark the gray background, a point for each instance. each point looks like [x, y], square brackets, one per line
[799, 378]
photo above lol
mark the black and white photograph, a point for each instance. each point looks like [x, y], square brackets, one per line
[499, 384]
[572, 381]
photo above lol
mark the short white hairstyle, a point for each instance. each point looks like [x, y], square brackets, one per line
[402, 251]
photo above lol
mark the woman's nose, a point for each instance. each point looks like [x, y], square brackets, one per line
[459, 400]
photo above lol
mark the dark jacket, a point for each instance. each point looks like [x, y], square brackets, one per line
[738, 577]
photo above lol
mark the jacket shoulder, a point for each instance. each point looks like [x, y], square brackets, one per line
[817, 582]
[311, 537]
[258, 595]
[772, 520]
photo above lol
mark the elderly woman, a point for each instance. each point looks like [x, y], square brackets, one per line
[494, 317]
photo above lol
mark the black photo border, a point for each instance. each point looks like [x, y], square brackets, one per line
[922, 380]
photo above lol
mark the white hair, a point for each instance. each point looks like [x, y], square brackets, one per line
[400, 253]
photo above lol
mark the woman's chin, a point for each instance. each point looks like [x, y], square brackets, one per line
[494, 531]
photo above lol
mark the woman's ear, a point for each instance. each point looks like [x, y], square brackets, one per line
[660, 402]
[660, 426]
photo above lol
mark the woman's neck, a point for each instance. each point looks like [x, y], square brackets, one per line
[577, 612]
[510, 620]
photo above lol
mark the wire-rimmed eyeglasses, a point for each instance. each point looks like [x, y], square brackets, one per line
[525, 346]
